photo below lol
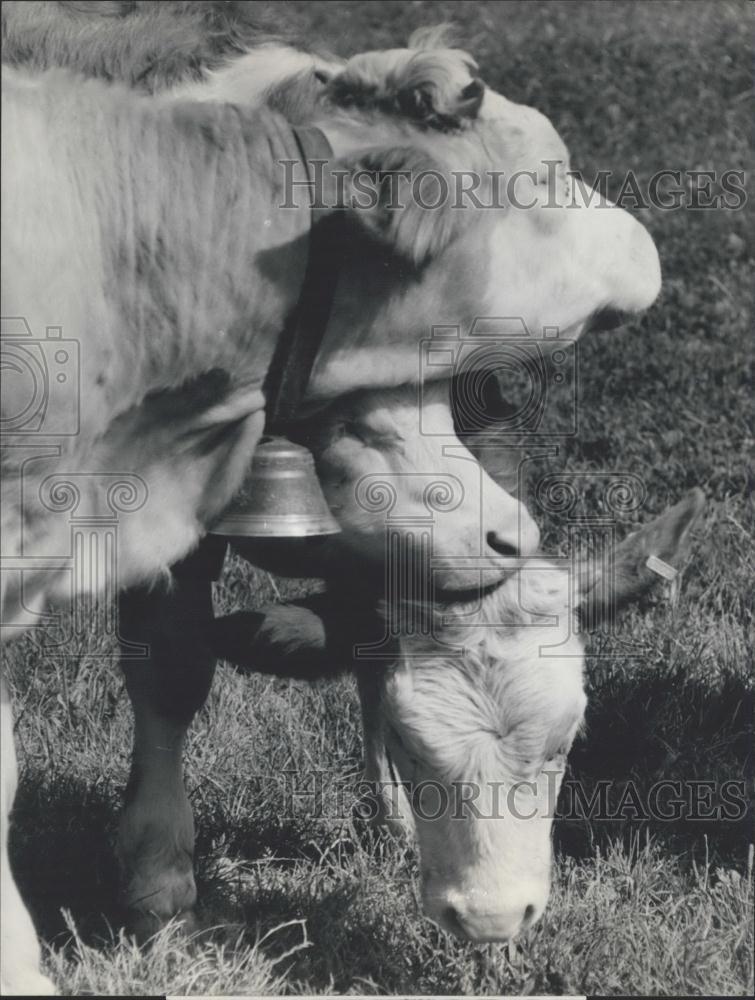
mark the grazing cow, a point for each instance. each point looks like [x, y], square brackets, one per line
[367, 445]
[468, 728]
[379, 472]
[146, 231]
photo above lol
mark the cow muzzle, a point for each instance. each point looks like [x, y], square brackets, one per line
[466, 573]
[480, 916]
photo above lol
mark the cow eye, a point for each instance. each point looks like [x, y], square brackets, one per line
[360, 432]
[371, 437]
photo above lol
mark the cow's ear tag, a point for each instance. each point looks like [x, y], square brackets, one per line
[661, 568]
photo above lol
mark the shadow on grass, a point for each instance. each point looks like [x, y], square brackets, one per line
[647, 726]
[643, 725]
[350, 938]
[61, 850]
[62, 853]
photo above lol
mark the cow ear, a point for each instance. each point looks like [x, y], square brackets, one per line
[402, 199]
[637, 563]
[429, 83]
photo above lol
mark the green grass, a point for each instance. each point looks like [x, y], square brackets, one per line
[637, 907]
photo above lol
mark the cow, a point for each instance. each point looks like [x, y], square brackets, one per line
[144, 229]
[164, 181]
[468, 726]
[374, 465]
[379, 471]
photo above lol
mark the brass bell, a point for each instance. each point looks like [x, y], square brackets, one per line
[280, 498]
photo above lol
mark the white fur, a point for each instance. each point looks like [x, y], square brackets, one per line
[252, 77]
[496, 718]
[392, 461]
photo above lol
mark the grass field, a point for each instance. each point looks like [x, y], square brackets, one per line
[301, 904]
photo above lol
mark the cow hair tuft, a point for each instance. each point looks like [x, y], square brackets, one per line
[436, 36]
[431, 86]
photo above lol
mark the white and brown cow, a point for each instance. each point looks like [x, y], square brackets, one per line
[387, 483]
[147, 230]
[468, 728]
[478, 685]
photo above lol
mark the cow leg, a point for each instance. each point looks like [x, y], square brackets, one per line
[19, 948]
[167, 688]
[389, 806]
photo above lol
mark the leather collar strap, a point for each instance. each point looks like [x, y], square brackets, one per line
[302, 335]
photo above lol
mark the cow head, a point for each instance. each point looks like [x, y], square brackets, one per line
[472, 728]
[481, 734]
[463, 205]
[404, 488]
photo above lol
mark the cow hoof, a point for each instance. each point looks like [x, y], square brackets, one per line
[24, 983]
[154, 898]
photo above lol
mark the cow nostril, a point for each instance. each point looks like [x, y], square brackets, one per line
[529, 915]
[501, 546]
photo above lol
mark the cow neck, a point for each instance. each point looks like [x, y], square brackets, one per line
[303, 332]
